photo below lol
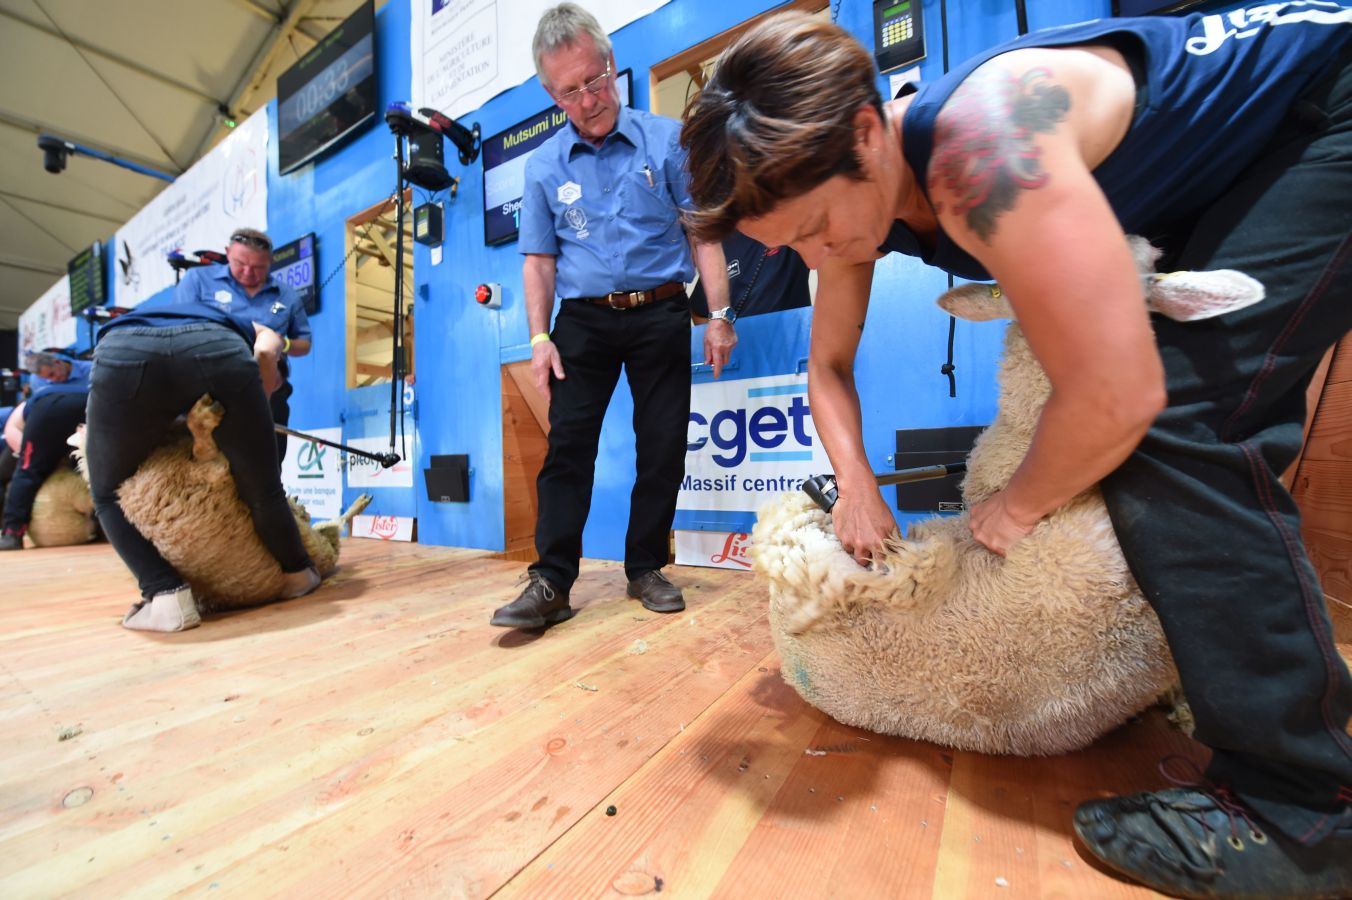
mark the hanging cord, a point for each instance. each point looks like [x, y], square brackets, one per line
[948, 369]
[835, 11]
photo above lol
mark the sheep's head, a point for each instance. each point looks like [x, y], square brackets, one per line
[1182, 296]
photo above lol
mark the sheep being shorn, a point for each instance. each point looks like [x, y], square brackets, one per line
[184, 501]
[941, 640]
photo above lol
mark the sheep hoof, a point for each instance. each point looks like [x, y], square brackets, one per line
[203, 418]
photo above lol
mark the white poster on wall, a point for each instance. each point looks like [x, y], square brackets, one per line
[48, 322]
[224, 190]
[367, 473]
[311, 473]
[714, 549]
[748, 442]
[468, 51]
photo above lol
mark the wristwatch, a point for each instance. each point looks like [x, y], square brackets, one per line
[727, 314]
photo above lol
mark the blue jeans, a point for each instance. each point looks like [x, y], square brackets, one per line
[49, 420]
[1210, 534]
[144, 378]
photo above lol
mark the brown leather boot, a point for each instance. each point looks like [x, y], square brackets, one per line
[656, 593]
[539, 605]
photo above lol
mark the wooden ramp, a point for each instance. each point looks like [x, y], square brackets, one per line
[379, 738]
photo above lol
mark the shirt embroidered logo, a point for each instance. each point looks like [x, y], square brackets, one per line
[578, 219]
[223, 297]
[570, 192]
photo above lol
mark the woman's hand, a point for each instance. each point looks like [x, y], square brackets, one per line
[863, 521]
[995, 526]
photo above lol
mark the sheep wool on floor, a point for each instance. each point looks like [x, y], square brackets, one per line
[940, 640]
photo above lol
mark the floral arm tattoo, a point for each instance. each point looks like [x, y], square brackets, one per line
[983, 142]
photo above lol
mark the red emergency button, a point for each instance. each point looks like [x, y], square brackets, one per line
[483, 293]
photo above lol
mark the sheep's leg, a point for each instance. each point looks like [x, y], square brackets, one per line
[203, 418]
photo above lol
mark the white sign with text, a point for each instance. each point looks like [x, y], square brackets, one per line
[48, 322]
[467, 51]
[367, 473]
[224, 190]
[312, 474]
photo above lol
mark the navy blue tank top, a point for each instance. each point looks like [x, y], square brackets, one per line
[1217, 87]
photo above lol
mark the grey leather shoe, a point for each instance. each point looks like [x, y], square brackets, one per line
[541, 604]
[656, 593]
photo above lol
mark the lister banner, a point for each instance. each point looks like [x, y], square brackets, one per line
[749, 441]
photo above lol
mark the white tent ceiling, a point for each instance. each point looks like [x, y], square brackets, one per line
[142, 80]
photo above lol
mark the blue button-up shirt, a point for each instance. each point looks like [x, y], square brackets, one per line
[78, 382]
[610, 214]
[275, 305]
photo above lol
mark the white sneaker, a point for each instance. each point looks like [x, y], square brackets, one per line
[171, 611]
[298, 584]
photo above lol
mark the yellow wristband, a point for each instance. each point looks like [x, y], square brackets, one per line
[286, 345]
[542, 336]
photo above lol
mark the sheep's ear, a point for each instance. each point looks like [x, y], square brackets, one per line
[976, 302]
[1189, 296]
[1144, 253]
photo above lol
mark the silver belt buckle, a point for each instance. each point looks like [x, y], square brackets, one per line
[611, 299]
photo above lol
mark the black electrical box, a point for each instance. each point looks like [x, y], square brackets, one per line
[448, 478]
[932, 447]
[898, 33]
[427, 224]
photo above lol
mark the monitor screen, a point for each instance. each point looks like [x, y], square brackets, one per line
[294, 266]
[87, 284]
[505, 155]
[330, 93]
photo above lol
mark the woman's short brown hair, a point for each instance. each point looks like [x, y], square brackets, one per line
[774, 120]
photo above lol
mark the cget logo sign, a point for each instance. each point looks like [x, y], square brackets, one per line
[747, 442]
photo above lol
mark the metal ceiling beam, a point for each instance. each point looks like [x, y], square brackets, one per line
[16, 121]
[30, 266]
[259, 67]
[70, 209]
[114, 58]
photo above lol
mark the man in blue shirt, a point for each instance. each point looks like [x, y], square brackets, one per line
[244, 288]
[53, 372]
[601, 229]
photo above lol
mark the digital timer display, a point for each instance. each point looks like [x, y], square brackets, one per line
[329, 94]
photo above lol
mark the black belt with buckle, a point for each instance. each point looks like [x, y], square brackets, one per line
[630, 299]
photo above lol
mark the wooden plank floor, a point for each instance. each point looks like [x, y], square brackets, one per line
[379, 738]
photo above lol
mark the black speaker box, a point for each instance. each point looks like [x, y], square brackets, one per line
[932, 447]
[448, 478]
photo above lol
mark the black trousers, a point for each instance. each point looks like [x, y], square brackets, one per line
[143, 379]
[652, 344]
[47, 422]
[1210, 534]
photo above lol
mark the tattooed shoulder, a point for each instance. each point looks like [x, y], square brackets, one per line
[984, 150]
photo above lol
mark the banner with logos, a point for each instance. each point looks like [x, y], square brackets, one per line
[465, 52]
[714, 549]
[48, 322]
[748, 442]
[367, 473]
[224, 190]
[311, 473]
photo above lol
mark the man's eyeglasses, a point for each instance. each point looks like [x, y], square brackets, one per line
[593, 87]
[249, 240]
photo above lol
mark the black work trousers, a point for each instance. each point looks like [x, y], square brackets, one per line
[48, 422]
[652, 344]
[146, 377]
[1210, 534]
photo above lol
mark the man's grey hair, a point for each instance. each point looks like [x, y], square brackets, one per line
[38, 358]
[562, 26]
